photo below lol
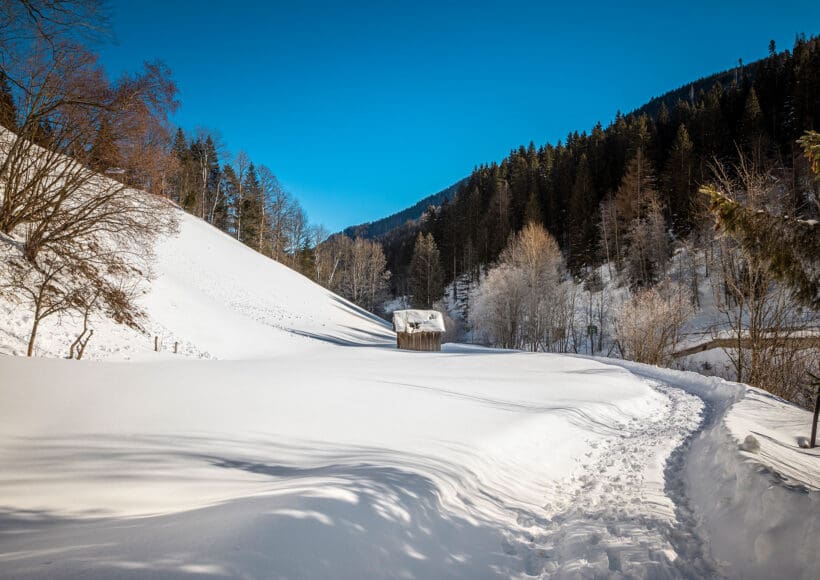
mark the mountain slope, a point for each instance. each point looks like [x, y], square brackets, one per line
[380, 227]
[218, 299]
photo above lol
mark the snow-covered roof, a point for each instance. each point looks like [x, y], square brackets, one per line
[418, 321]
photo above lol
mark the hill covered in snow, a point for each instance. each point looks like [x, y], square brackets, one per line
[216, 298]
[311, 447]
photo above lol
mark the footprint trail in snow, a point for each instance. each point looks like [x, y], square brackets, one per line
[624, 513]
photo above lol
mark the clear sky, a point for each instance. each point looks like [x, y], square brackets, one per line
[363, 108]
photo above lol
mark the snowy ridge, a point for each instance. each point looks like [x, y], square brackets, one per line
[314, 448]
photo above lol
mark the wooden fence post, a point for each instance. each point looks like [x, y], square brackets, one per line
[813, 440]
[175, 346]
[156, 344]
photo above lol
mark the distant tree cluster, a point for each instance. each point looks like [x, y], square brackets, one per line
[355, 269]
[242, 199]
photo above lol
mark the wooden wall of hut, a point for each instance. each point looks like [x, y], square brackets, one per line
[424, 341]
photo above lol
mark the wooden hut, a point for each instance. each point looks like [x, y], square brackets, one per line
[418, 329]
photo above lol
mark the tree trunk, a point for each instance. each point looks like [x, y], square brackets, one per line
[33, 336]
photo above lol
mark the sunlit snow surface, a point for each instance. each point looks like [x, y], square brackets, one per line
[314, 449]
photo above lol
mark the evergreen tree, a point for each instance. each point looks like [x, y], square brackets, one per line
[180, 146]
[426, 276]
[752, 127]
[184, 191]
[582, 203]
[532, 213]
[252, 210]
[104, 153]
[230, 190]
[8, 110]
[788, 246]
[679, 179]
[216, 209]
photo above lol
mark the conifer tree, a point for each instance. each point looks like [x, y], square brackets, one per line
[752, 127]
[184, 191]
[252, 213]
[679, 179]
[789, 247]
[230, 191]
[426, 276]
[104, 152]
[582, 216]
[8, 110]
[532, 213]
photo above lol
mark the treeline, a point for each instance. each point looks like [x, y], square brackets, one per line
[247, 202]
[626, 186]
[243, 199]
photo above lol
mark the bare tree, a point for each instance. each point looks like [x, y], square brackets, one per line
[87, 279]
[23, 21]
[278, 211]
[364, 276]
[649, 323]
[522, 302]
[330, 259]
[46, 187]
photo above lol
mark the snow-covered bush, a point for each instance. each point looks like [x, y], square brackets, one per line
[648, 324]
[454, 330]
[498, 304]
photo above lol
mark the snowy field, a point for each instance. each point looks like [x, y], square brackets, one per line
[288, 438]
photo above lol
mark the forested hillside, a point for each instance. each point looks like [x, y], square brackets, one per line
[380, 227]
[583, 188]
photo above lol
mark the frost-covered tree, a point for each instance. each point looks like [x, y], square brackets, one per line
[498, 305]
[648, 324]
[522, 302]
[535, 253]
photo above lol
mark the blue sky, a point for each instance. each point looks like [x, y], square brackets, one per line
[363, 108]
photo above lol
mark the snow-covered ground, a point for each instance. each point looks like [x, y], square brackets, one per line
[309, 447]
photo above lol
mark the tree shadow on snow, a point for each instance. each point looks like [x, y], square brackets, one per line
[347, 516]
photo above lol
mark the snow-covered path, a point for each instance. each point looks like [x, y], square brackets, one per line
[625, 516]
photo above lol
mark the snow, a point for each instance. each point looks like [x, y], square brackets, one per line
[305, 445]
[217, 299]
[411, 321]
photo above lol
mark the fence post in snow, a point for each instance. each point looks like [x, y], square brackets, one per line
[156, 344]
[176, 343]
[813, 440]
